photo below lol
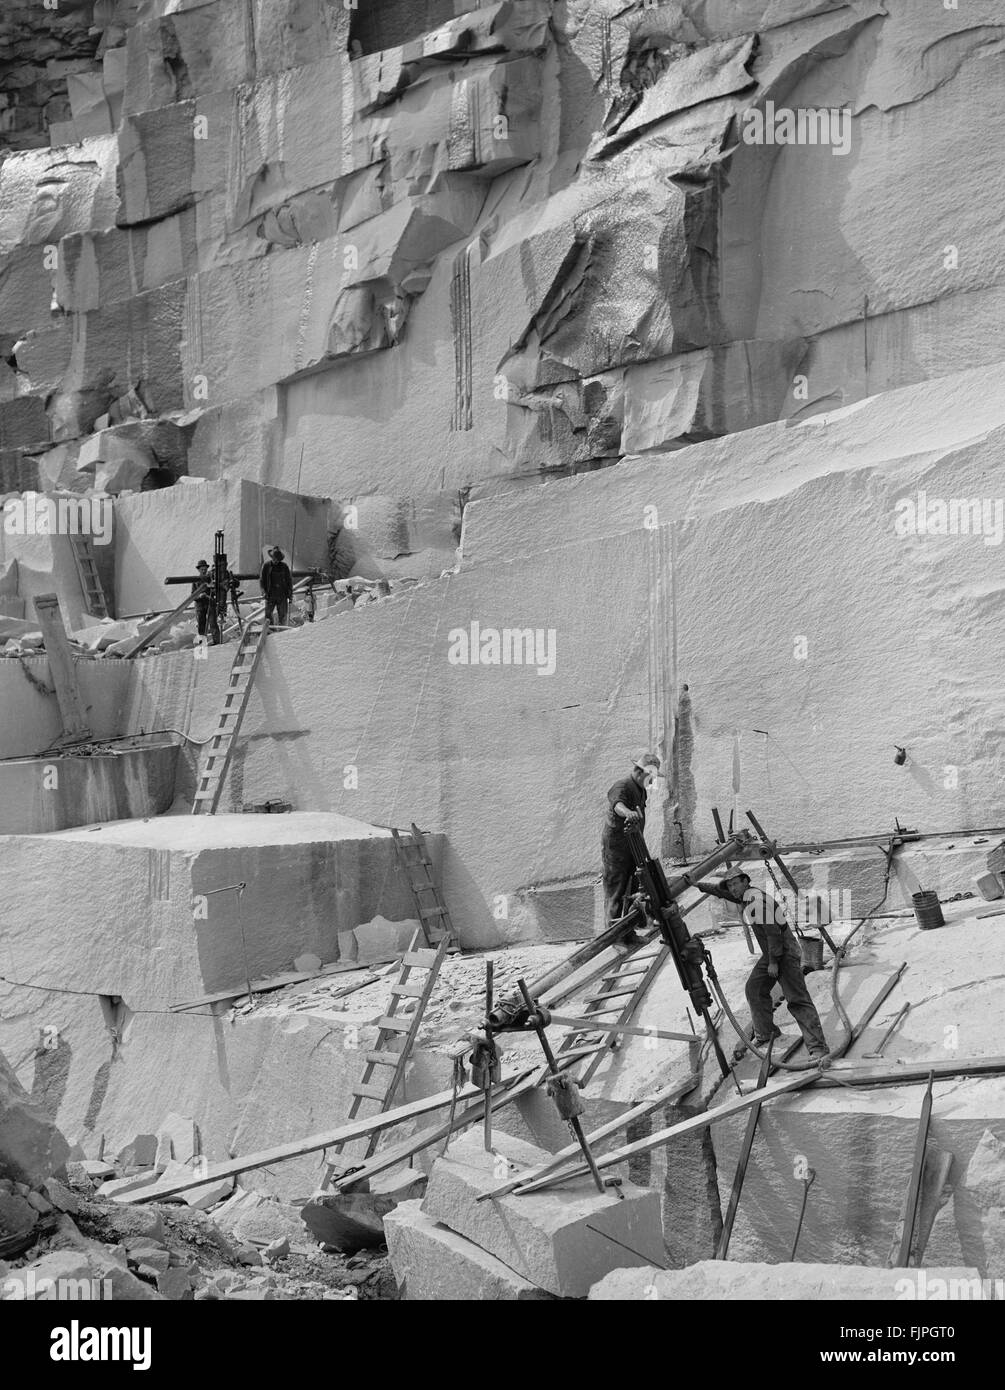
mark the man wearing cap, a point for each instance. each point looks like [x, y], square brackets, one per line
[277, 587]
[202, 603]
[626, 806]
[780, 963]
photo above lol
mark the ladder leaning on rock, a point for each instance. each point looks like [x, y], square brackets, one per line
[426, 952]
[221, 746]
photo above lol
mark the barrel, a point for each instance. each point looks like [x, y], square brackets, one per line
[928, 910]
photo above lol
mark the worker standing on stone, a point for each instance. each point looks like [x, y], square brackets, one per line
[277, 588]
[202, 603]
[780, 963]
[626, 806]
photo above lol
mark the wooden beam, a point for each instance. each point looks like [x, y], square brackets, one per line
[907, 1074]
[585, 1025]
[398, 1153]
[344, 1134]
[165, 622]
[914, 1187]
[722, 1249]
[272, 982]
[663, 1136]
[61, 669]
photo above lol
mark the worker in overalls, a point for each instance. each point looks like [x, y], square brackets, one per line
[780, 963]
[626, 806]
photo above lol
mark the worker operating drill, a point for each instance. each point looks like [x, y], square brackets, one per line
[780, 963]
[626, 806]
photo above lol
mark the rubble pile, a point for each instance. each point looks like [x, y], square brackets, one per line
[62, 1229]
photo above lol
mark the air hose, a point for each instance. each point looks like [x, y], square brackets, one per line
[842, 1014]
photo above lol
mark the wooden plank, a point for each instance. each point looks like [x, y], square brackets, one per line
[914, 1187]
[690, 1126]
[741, 1166]
[281, 981]
[667, 1096]
[169, 618]
[312, 1143]
[909, 1073]
[62, 668]
[588, 1024]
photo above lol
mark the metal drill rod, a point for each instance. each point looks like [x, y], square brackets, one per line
[554, 1070]
[888, 1034]
[807, 1184]
[488, 1073]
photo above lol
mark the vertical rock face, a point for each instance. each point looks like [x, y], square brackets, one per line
[565, 232]
[31, 1147]
[717, 272]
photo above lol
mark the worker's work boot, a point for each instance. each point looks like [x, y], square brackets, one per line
[820, 1057]
[740, 1050]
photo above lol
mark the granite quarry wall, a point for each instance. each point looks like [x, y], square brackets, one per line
[513, 287]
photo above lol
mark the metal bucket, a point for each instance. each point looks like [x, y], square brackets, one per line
[811, 948]
[928, 910]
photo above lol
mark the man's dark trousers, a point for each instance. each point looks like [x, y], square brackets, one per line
[618, 866]
[797, 996]
[278, 606]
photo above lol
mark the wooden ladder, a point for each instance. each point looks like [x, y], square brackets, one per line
[426, 952]
[90, 579]
[235, 702]
[396, 1027]
[413, 856]
[615, 1000]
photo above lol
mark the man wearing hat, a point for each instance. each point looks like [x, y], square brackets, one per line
[277, 587]
[626, 806]
[202, 602]
[780, 963]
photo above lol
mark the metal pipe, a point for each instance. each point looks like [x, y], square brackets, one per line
[554, 1071]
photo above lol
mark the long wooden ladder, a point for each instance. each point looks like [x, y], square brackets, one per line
[397, 1027]
[90, 580]
[235, 703]
[413, 856]
[431, 941]
[615, 1000]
